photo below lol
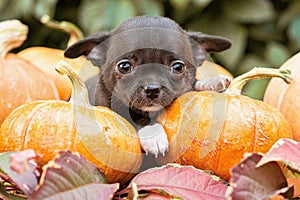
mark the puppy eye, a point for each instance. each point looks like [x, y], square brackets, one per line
[178, 67]
[124, 66]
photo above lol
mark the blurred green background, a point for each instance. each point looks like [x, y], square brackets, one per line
[264, 33]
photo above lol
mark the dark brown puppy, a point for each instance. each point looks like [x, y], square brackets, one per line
[146, 63]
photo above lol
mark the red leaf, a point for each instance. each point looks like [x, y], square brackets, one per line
[286, 151]
[24, 174]
[93, 191]
[71, 176]
[252, 183]
[19, 161]
[180, 181]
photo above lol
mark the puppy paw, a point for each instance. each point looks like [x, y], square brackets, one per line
[218, 83]
[153, 139]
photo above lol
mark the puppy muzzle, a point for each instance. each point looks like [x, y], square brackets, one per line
[152, 91]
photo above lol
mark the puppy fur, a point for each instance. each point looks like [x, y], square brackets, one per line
[145, 64]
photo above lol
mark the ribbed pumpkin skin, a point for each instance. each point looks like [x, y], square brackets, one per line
[22, 82]
[286, 98]
[48, 127]
[212, 131]
[46, 59]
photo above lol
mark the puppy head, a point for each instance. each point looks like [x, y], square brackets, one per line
[147, 62]
[150, 79]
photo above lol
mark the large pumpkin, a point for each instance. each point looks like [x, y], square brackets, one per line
[212, 131]
[20, 80]
[46, 58]
[286, 98]
[102, 136]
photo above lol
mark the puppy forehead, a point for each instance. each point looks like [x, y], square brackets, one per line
[173, 41]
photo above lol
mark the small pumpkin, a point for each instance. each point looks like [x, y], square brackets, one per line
[46, 58]
[99, 134]
[286, 98]
[212, 131]
[20, 80]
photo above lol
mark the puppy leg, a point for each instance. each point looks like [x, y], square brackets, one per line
[153, 139]
[218, 83]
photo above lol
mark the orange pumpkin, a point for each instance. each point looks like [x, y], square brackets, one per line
[46, 58]
[100, 135]
[212, 131]
[286, 98]
[211, 69]
[20, 81]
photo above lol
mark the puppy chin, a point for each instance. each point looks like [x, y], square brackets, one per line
[152, 108]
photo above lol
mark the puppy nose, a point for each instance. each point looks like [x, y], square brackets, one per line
[152, 91]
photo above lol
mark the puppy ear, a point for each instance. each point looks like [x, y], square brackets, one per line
[203, 44]
[87, 48]
[209, 42]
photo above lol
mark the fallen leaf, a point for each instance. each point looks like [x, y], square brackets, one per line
[19, 161]
[25, 180]
[71, 176]
[286, 151]
[174, 181]
[255, 183]
[4, 195]
[92, 191]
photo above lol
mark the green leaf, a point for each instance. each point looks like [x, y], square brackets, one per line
[250, 61]
[266, 31]
[237, 34]
[227, 28]
[251, 11]
[287, 16]
[149, 7]
[92, 12]
[3, 7]
[276, 53]
[294, 30]
[16, 9]
[104, 14]
[45, 7]
[180, 4]
[123, 10]
[202, 3]
[255, 89]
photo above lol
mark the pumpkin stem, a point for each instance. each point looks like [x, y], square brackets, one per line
[239, 82]
[68, 27]
[79, 90]
[12, 34]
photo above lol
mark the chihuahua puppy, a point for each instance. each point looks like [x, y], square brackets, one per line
[145, 64]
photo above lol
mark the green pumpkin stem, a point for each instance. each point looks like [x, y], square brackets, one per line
[12, 35]
[64, 26]
[239, 82]
[79, 91]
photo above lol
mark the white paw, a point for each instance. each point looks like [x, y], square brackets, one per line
[218, 83]
[153, 139]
